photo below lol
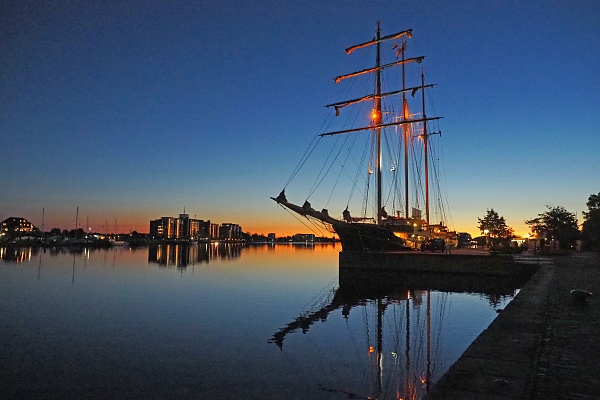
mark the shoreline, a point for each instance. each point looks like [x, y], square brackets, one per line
[542, 345]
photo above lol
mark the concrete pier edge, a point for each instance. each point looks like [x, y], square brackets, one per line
[544, 345]
[502, 361]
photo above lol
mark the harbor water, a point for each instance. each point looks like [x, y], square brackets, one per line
[221, 322]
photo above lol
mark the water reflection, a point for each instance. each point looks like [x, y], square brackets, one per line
[110, 323]
[182, 255]
[171, 255]
[22, 254]
[404, 319]
[17, 254]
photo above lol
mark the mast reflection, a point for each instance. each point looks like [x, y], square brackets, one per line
[405, 353]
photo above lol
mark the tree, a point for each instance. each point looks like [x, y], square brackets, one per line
[556, 224]
[591, 223]
[593, 203]
[495, 225]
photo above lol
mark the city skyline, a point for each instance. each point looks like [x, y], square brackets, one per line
[132, 111]
[113, 227]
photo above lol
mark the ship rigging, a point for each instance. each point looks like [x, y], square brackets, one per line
[395, 125]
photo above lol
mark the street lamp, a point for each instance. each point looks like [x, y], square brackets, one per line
[487, 238]
[415, 234]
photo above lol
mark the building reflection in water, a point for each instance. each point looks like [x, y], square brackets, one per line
[18, 254]
[176, 255]
[22, 254]
[183, 254]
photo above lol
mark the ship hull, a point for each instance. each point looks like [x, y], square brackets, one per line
[354, 236]
[367, 237]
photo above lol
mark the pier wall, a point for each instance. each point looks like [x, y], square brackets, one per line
[437, 263]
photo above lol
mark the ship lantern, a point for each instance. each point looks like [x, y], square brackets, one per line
[376, 116]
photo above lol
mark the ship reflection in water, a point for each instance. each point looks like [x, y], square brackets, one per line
[404, 324]
[183, 255]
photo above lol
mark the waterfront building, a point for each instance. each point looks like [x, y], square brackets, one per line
[15, 226]
[303, 237]
[200, 229]
[167, 228]
[183, 227]
[214, 231]
[164, 228]
[230, 231]
[186, 228]
[271, 237]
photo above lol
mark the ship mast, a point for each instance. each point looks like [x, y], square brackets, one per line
[377, 122]
[376, 115]
[406, 128]
[425, 137]
[425, 147]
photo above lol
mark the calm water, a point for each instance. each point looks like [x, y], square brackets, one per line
[220, 322]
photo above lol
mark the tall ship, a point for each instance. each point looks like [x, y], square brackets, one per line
[389, 141]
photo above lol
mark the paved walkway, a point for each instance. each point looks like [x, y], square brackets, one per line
[542, 346]
[569, 363]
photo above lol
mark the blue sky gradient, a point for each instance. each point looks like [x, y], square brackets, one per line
[135, 111]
